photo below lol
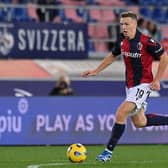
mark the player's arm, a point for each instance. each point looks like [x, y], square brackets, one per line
[162, 66]
[107, 60]
[157, 51]
[105, 63]
[155, 85]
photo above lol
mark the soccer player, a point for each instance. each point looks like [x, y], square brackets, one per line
[138, 51]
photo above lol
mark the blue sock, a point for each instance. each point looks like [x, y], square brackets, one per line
[154, 120]
[117, 132]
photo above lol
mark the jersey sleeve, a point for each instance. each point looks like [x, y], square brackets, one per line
[155, 48]
[117, 47]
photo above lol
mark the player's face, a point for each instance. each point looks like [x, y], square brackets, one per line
[128, 27]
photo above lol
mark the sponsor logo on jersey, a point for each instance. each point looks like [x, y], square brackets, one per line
[132, 55]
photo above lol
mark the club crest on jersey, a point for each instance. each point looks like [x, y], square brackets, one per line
[139, 46]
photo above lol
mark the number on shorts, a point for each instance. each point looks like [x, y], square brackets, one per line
[140, 93]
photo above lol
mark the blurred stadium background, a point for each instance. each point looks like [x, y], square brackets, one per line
[102, 31]
[41, 40]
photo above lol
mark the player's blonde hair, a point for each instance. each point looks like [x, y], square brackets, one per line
[129, 14]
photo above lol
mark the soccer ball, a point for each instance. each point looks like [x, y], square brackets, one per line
[76, 153]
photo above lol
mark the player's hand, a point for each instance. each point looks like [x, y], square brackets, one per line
[155, 85]
[88, 73]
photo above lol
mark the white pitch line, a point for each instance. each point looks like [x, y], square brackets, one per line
[47, 164]
[56, 164]
[94, 163]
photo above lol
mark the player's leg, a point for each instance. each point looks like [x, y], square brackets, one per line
[134, 103]
[139, 119]
[156, 120]
[143, 120]
[121, 117]
[136, 96]
[118, 129]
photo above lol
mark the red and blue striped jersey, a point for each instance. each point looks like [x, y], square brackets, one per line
[138, 55]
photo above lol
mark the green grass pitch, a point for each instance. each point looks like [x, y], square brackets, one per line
[125, 156]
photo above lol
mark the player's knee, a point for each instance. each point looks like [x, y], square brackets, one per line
[120, 118]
